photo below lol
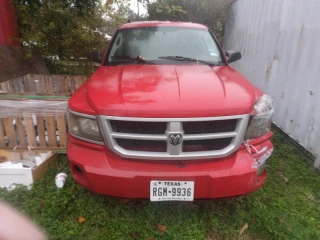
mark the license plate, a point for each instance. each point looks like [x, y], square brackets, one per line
[171, 191]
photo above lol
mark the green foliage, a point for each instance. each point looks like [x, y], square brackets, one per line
[211, 13]
[134, 17]
[164, 6]
[68, 29]
[279, 210]
[117, 14]
[80, 67]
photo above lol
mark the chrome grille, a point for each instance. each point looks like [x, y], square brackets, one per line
[138, 127]
[147, 138]
[206, 145]
[142, 145]
[209, 126]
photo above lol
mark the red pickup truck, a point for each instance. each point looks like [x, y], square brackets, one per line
[166, 118]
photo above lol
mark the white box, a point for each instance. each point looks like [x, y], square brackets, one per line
[25, 176]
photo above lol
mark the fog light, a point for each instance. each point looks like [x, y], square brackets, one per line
[79, 173]
[78, 169]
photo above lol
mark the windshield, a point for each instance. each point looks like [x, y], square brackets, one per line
[154, 43]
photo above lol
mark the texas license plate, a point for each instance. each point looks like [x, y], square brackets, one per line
[171, 191]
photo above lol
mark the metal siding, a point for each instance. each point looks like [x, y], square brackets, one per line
[279, 44]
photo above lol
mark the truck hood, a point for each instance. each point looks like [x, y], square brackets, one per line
[169, 91]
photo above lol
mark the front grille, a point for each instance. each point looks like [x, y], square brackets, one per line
[139, 127]
[156, 138]
[209, 126]
[206, 145]
[142, 145]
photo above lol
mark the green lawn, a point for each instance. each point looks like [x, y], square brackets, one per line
[280, 210]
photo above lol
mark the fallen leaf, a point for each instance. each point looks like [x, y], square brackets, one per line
[81, 219]
[281, 220]
[41, 202]
[289, 229]
[135, 235]
[244, 228]
[254, 221]
[286, 180]
[161, 228]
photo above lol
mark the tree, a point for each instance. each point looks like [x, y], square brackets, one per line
[212, 13]
[67, 29]
[134, 17]
[161, 6]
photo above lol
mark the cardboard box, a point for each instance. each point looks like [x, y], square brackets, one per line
[25, 176]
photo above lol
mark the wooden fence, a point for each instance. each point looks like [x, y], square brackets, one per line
[43, 128]
[43, 84]
[40, 129]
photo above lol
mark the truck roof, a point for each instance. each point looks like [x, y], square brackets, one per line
[162, 24]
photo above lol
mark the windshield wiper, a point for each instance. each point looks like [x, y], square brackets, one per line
[186, 59]
[137, 59]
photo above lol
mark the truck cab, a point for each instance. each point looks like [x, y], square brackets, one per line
[165, 117]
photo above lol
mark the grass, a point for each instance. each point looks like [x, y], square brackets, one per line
[280, 210]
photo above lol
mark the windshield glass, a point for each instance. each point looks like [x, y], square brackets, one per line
[150, 43]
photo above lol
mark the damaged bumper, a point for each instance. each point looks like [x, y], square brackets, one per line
[103, 172]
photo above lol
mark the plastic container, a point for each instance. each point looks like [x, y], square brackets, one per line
[61, 179]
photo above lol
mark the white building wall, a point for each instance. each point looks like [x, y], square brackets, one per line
[280, 44]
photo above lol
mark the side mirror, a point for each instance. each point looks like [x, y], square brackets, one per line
[95, 56]
[233, 56]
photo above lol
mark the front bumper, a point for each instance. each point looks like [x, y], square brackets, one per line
[103, 172]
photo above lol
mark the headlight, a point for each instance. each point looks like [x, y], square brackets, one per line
[260, 123]
[84, 127]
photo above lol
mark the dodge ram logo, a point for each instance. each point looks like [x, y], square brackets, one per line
[175, 139]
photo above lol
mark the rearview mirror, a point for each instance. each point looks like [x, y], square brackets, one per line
[233, 56]
[95, 56]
